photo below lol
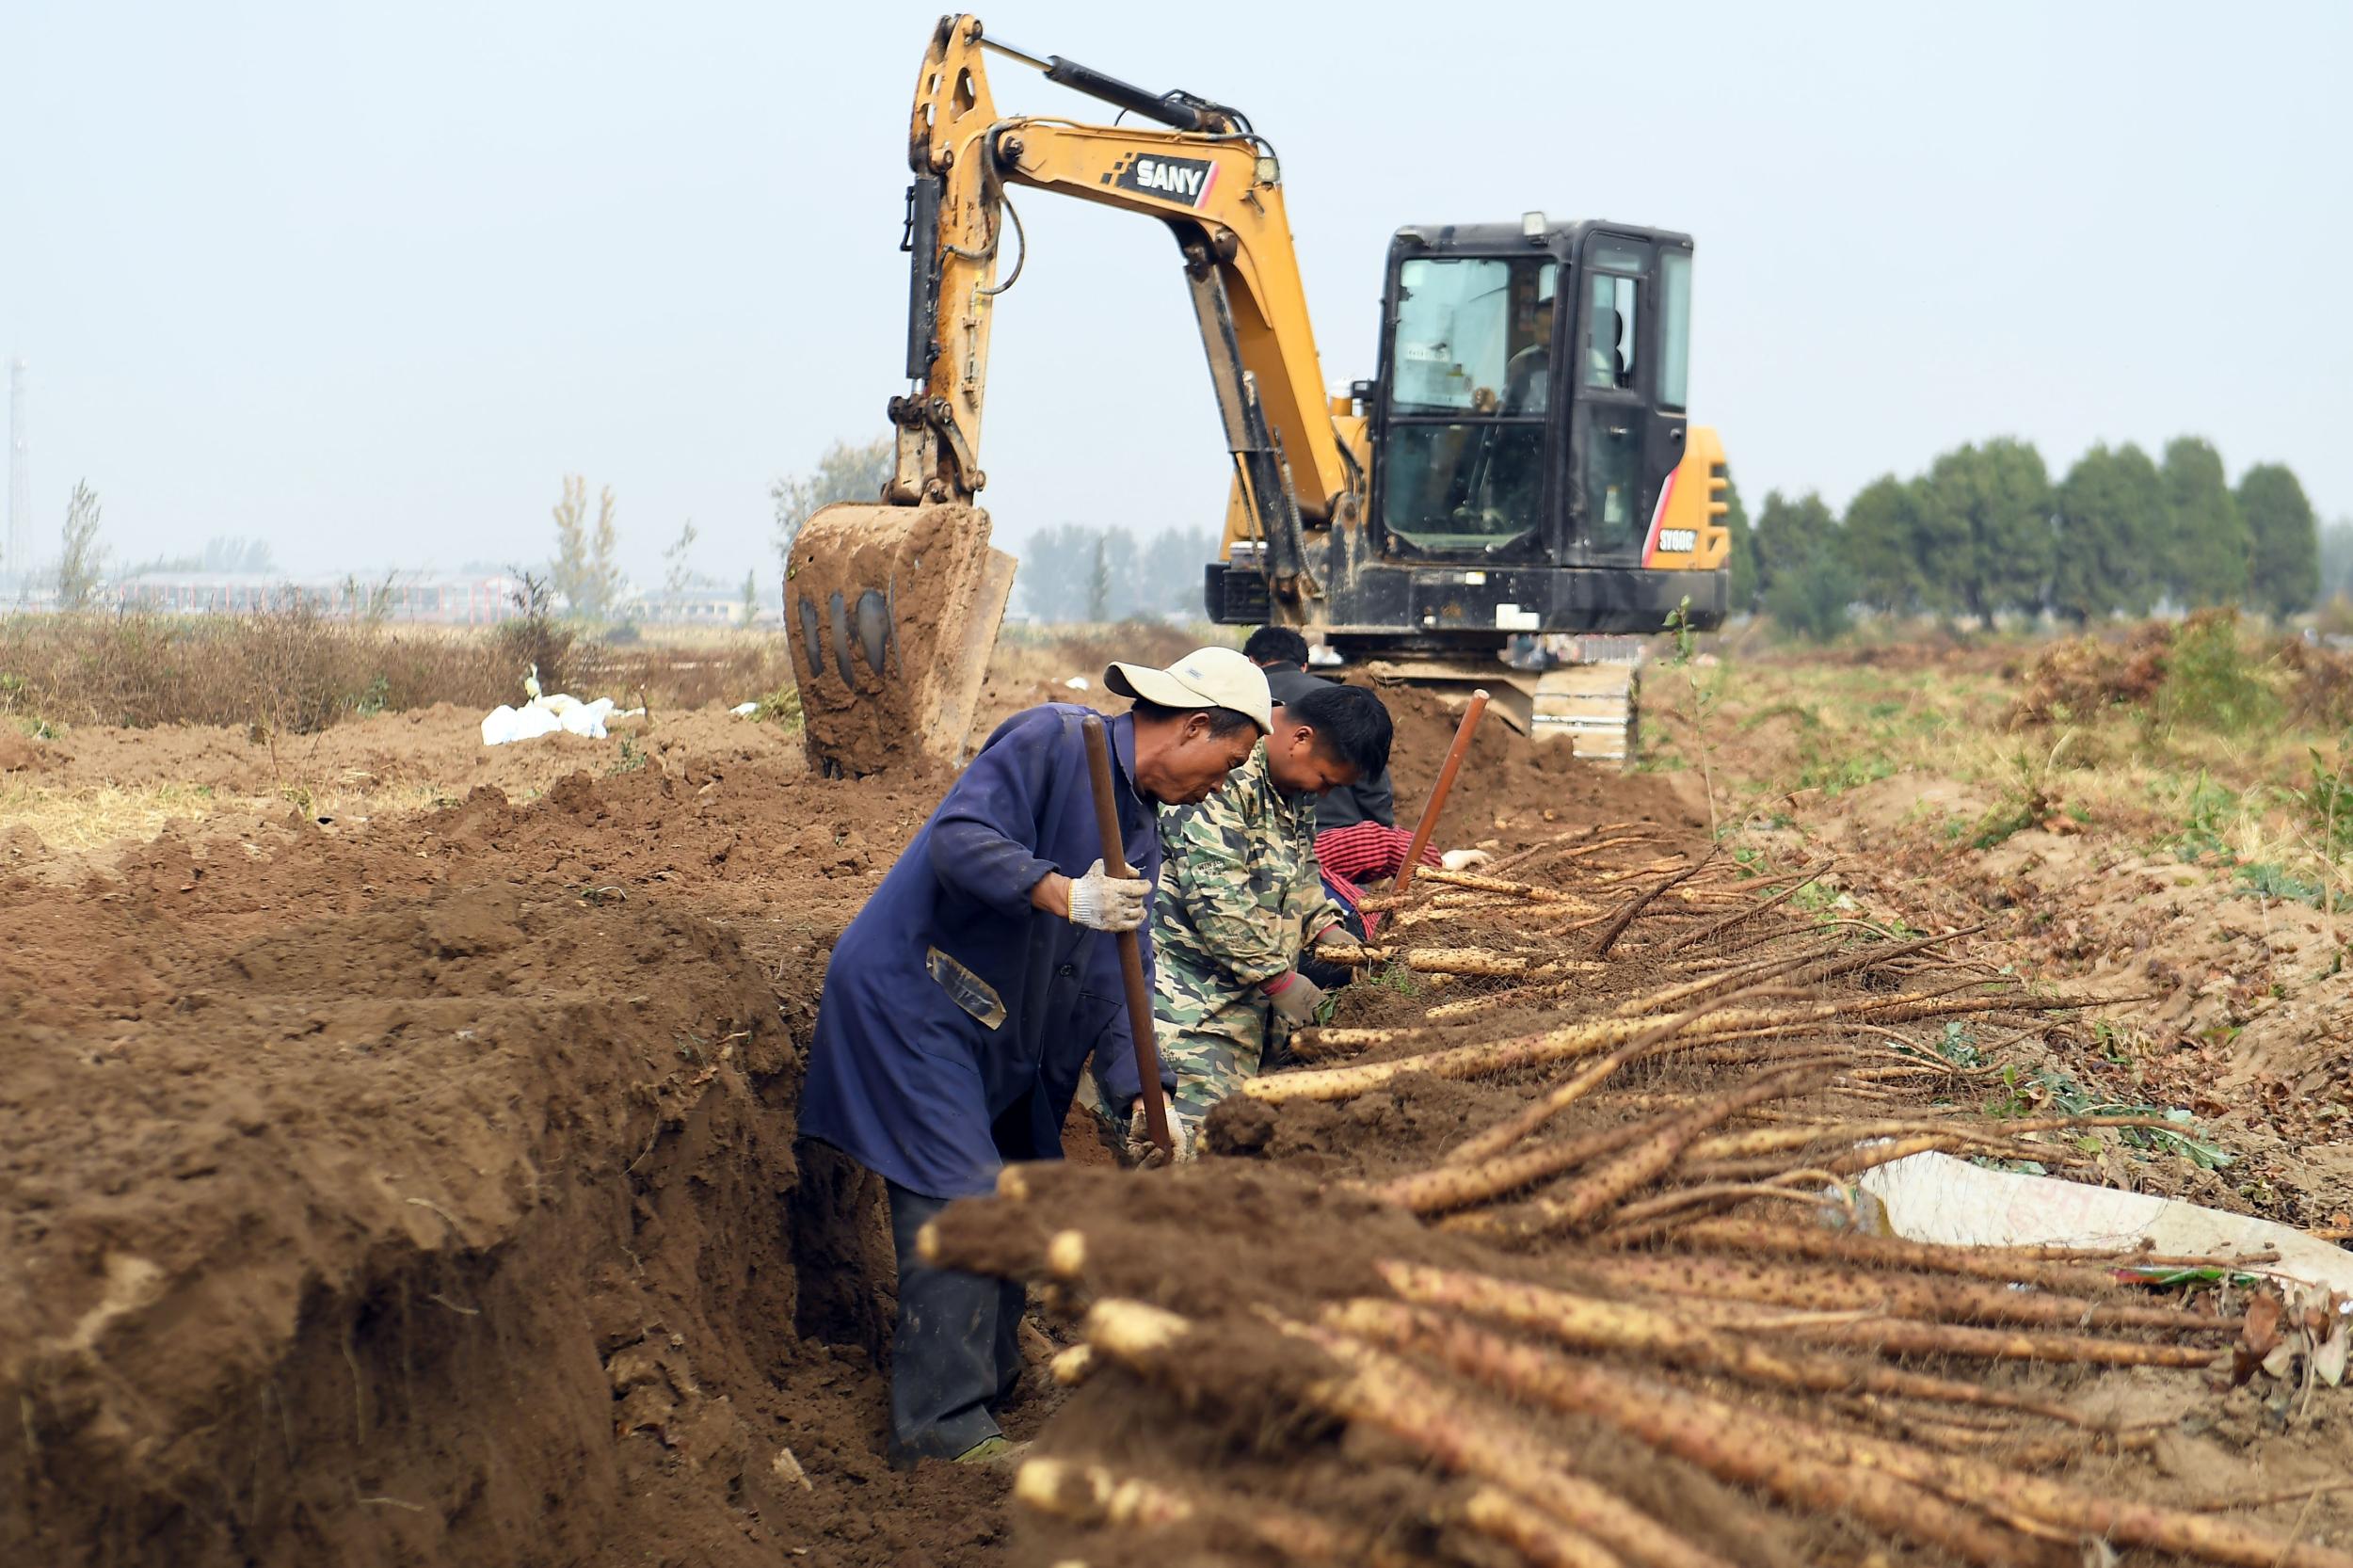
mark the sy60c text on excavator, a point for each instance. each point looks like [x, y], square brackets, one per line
[1522, 463]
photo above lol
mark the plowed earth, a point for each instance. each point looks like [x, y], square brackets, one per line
[424, 1190]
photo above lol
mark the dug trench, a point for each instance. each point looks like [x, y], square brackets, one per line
[427, 1192]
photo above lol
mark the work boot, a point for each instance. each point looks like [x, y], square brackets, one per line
[992, 1451]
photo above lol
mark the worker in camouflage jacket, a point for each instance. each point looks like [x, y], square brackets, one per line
[1240, 900]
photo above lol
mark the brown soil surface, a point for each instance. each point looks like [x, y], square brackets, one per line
[423, 1189]
[2242, 1011]
[440, 746]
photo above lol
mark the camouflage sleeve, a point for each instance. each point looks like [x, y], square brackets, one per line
[1308, 894]
[1208, 871]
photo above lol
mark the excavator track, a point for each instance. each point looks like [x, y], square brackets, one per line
[1592, 707]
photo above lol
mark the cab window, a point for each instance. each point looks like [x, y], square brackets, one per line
[1611, 331]
[1674, 328]
[1470, 382]
[1467, 486]
[1473, 335]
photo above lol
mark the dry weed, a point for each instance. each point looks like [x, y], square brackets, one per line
[296, 672]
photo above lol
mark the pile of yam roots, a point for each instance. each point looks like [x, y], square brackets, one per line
[1634, 1314]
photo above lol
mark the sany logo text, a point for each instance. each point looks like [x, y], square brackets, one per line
[1186, 179]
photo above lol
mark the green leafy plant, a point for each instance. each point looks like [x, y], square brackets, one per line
[2209, 681]
[2210, 808]
[2027, 800]
[2269, 880]
[375, 698]
[2327, 801]
[2054, 1091]
[1704, 700]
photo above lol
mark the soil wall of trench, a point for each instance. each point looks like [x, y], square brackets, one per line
[429, 1193]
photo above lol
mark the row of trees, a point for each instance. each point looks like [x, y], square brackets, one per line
[1070, 573]
[587, 567]
[1078, 573]
[1985, 532]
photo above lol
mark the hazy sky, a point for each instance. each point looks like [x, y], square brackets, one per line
[367, 281]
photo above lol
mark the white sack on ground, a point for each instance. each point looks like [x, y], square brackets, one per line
[545, 715]
[1935, 1197]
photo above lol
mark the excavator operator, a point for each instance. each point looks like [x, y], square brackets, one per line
[1528, 379]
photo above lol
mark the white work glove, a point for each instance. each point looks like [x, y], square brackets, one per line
[1293, 997]
[1102, 902]
[1146, 1153]
[1334, 938]
[1465, 860]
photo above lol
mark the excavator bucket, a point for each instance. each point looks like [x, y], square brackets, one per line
[891, 613]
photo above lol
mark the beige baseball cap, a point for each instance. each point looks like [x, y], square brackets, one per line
[1206, 678]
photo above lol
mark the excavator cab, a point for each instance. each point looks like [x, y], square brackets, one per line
[1534, 471]
[1530, 410]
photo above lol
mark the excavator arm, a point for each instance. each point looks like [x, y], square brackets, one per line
[892, 609]
[1207, 175]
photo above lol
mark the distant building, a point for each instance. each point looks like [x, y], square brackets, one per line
[702, 606]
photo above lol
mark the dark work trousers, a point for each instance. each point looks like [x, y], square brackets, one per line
[956, 1351]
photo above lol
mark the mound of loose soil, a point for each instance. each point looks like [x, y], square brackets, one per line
[358, 1229]
[1509, 785]
[20, 754]
[439, 747]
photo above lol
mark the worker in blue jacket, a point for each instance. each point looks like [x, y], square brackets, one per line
[962, 1004]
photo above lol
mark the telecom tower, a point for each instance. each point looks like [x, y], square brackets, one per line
[20, 538]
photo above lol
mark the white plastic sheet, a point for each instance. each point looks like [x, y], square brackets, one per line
[1935, 1197]
[545, 715]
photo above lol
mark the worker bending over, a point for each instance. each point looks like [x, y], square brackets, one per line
[1283, 654]
[1357, 839]
[961, 1006]
[1242, 903]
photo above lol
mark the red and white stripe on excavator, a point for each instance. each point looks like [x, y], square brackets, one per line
[1658, 518]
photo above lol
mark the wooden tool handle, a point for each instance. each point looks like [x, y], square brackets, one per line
[1130, 950]
[1429, 823]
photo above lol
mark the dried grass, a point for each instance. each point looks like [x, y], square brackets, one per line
[295, 671]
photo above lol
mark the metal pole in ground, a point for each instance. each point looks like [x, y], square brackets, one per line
[1454, 754]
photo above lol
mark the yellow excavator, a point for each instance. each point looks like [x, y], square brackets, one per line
[1521, 466]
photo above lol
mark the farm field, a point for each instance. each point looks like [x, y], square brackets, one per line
[405, 1168]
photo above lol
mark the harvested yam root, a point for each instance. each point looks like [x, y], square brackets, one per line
[1095, 1494]
[1460, 1435]
[1568, 1264]
[1722, 1437]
